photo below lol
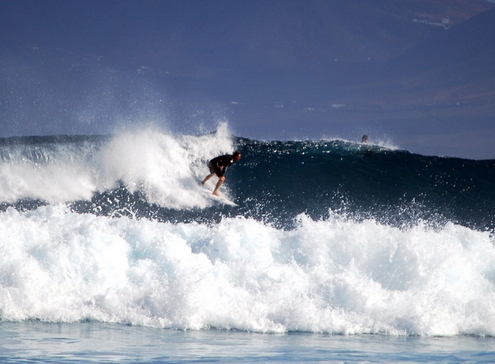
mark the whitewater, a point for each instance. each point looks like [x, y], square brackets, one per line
[332, 276]
[193, 263]
[103, 238]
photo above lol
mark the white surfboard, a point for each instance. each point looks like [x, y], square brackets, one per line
[219, 199]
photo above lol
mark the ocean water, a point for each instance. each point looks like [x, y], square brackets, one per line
[35, 342]
[337, 251]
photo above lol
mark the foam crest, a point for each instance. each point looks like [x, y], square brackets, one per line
[164, 167]
[55, 173]
[335, 276]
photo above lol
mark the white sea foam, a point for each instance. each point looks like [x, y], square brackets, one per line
[335, 276]
[165, 168]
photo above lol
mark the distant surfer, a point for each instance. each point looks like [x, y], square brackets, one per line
[218, 166]
[366, 149]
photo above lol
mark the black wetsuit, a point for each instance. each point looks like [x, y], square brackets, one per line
[220, 164]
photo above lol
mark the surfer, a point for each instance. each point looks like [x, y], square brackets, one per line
[218, 166]
[365, 139]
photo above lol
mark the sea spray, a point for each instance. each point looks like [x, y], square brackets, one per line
[335, 276]
[164, 168]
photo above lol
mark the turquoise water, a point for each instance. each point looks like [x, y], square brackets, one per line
[36, 342]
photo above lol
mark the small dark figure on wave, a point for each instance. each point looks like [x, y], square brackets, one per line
[218, 166]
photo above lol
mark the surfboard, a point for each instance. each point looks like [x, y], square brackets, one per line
[219, 199]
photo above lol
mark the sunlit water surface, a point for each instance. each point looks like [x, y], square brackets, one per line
[37, 342]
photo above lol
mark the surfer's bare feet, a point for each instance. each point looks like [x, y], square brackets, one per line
[216, 193]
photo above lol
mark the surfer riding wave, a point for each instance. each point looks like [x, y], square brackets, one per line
[218, 166]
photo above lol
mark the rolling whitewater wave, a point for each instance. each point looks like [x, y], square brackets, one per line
[329, 236]
[66, 169]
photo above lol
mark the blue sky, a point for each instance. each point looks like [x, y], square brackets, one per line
[273, 69]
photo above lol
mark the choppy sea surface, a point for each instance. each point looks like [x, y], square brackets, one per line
[336, 251]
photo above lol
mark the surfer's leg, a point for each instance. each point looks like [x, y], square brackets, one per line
[207, 178]
[217, 187]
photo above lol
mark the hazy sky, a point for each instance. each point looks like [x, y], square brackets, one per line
[274, 69]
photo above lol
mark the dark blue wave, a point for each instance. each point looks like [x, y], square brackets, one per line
[362, 181]
[277, 181]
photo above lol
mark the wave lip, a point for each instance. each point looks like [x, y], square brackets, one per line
[165, 169]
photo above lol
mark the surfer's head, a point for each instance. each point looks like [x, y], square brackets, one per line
[237, 155]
